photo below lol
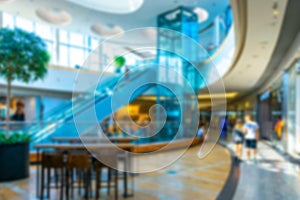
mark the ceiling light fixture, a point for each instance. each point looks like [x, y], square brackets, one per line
[54, 16]
[202, 14]
[111, 6]
[109, 30]
[6, 1]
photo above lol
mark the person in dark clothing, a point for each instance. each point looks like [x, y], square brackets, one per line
[19, 114]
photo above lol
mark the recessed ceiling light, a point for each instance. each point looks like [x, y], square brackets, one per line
[54, 16]
[202, 14]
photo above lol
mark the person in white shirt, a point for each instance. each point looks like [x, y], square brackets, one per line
[251, 131]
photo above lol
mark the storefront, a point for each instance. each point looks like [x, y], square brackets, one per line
[270, 115]
[292, 116]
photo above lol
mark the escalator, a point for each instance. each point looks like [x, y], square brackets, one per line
[98, 102]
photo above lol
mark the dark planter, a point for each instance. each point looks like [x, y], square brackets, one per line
[14, 161]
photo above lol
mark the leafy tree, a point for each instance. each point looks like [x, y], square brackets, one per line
[23, 57]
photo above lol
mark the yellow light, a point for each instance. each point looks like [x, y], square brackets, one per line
[276, 12]
[218, 95]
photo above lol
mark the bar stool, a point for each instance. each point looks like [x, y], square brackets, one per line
[52, 161]
[80, 162]
[111, 161]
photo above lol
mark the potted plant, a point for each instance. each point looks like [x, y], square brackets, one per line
[23, 57]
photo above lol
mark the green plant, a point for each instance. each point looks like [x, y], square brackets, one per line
[23, 57]
[14, 138]
[119, 61]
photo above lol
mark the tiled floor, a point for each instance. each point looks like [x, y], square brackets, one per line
[188, 178]
[270, 177]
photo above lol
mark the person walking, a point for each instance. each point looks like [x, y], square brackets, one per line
[251, 131]
[278, 127]
[201, 131]
[238, 138]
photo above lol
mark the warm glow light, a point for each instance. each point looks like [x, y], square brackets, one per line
[219, 95]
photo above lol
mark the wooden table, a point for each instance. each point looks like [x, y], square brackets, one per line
[80, 146]
[93, 139]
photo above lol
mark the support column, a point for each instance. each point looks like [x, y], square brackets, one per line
[217, 32]
[297, 113]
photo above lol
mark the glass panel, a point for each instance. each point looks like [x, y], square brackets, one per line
[52, 51]
[44, 31]
[63, 37]
[24, 24]
[64, 55]
[76, 39]
[8, 20]
[76, 57]
[94, 43]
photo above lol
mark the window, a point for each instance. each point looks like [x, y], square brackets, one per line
[45, 32]
[24, 24]
[76, 56]
[73, 48]
[63, 55]
[77, 40]
[8, 21]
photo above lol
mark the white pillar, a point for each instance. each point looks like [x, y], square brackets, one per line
[217, 32]
[297, 115]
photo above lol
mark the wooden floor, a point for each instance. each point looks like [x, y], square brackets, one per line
[188, 178]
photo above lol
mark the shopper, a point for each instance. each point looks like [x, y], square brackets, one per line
[251, 130]
[19, 114]
[201, 131]
[238, 138]
[224, 127]
[278, 128]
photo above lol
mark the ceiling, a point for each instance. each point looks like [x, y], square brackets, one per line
[86, 13]
[263, 30]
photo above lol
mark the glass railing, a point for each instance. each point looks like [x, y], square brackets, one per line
[81, 102]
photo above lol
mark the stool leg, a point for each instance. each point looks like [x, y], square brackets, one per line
[42, 183]
[48, 182]
[72, 182]
[116, 185]
[56, 177]
[86, 183]
[98, 182]
[108, 180]
[61, 183]
[79, 181]
[67, 184]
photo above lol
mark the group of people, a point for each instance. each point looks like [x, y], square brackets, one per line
[248, 133]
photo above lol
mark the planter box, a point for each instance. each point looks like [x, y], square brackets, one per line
[14, 161]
